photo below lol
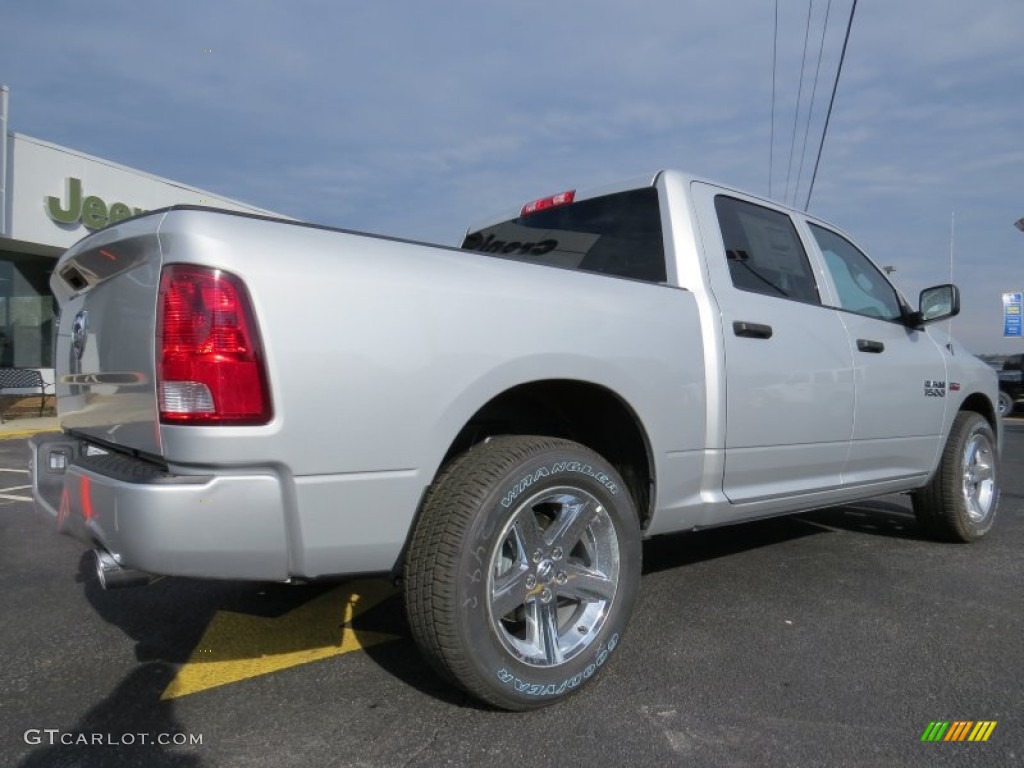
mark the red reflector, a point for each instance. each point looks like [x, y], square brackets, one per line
[85, 491]
[210, 367]
[563, 198]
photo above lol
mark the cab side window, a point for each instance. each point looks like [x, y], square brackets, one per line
[861, 286]
[764, 251]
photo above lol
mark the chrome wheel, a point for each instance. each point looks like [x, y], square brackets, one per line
[979, 481]
[1006, 404]
[553, 576]
[961, 499]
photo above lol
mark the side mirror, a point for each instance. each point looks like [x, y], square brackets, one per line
[940, 302]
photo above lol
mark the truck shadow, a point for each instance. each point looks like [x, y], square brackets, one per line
[192, 625]
[128, 723]
[878, 517]
[189, 626]
[126, 727]
[676, 550]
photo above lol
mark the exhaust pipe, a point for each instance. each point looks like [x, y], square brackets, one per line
[112, 575]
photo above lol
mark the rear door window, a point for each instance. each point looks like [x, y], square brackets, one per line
[618, 234]
[764, 251]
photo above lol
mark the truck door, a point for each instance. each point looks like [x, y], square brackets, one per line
[789, 387]
[900, 372]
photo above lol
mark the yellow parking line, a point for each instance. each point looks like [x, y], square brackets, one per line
[24, 433]
[237, 646]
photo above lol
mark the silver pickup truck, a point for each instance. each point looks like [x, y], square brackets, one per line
[500, 425]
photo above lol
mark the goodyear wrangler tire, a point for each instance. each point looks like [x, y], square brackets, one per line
[960, 501]
[523, 569]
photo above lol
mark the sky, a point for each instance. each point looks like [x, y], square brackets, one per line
[416, 119]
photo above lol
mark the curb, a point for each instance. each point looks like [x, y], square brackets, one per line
[25, 433]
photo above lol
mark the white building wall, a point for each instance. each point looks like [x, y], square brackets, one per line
[39, 171]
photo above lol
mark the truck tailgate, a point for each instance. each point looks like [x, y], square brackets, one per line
[106, 286]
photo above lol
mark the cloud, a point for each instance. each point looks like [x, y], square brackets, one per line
[414, 119]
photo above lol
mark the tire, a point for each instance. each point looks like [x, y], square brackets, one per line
[959, 503]
[1006, 404]
[523, 569]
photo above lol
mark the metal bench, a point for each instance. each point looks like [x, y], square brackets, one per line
[23, 378]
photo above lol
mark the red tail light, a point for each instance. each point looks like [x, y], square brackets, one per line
[210, 367]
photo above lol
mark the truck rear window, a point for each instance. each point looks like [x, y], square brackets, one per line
[617, 234]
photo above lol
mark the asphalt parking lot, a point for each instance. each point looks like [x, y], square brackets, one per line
[831, 638]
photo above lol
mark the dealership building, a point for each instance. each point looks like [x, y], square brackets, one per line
[51, 197]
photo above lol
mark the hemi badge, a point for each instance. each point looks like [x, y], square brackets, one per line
[954, 386]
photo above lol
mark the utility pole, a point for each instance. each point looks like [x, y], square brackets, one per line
[4, 91]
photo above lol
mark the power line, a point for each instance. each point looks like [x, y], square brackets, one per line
[831, 102]
[799, 96]
[771, 141]
[810, 108]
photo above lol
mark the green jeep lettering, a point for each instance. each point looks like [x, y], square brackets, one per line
[91, 211]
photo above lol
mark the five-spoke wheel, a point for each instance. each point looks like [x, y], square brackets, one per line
[553, 575]
[523, 569]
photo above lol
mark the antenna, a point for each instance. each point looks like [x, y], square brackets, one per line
[952, 235]
[952, 240]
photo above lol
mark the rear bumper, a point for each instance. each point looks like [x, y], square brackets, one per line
[218, 525]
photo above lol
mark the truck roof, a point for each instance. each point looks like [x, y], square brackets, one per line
[632, 182]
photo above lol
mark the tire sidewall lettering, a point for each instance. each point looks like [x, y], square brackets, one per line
[555, 689]
[532, 478]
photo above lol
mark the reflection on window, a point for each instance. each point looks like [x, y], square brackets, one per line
[764, 251]
[860, 285]
[618, 234]
[27, 312]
